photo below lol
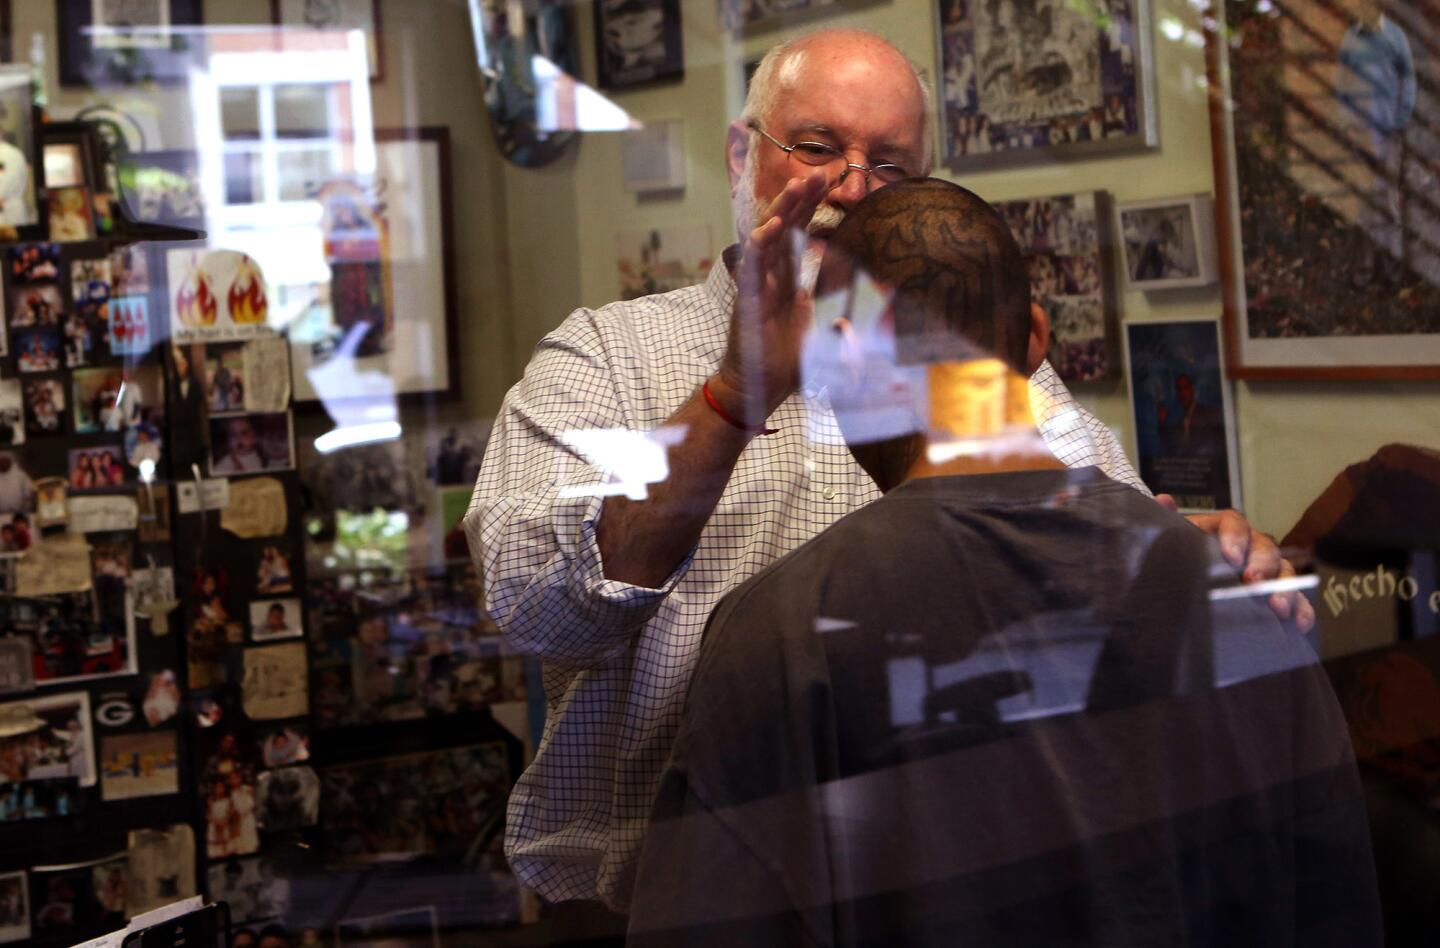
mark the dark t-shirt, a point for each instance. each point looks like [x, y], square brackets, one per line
[1006, 710]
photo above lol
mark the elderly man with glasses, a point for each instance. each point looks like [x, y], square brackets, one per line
[613, 591]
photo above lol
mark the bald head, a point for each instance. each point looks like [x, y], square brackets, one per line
[958, 276]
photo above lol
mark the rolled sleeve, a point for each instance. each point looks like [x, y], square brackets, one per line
[536, 550]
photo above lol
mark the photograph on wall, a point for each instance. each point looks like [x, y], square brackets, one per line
[225, 380]
[1065, 240]
[249, 444]
[281, 746]
[287, 799]
[163, 187]
[18, 181]
[86, 327]
[16, 673]
[657, 261]
[252, 888]
[274, 685]
[71, 639]
[33, 263]
[37, 349]
[12, 413]
[17, 488]
[139, 765]
[90, 280]
[107, 43]
[272, 619]
[162, 868]
[336, 16]
[379, 320]
[1334, 158]
[36, 305]
[44, 406]
[440, 803]
[14, 907]
[752, 16]
[1181, 405]
[46, 738]
[1042, 80]
[1167, 243]
[97, 468]
[227, 787]
[216, 296]
[637, 41]
[71, 217]
[74, 900]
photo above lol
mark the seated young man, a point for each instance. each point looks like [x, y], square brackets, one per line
[1009, 704]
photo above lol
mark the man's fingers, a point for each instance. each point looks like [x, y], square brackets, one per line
[1233, 532]
[1168, 502]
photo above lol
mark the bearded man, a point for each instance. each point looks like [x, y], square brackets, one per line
[611, 583]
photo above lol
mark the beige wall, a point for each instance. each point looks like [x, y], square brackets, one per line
[533, 244]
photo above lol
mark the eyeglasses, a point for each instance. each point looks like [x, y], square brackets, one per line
[820, 155]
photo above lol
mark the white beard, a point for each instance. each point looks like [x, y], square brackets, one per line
[750, 214]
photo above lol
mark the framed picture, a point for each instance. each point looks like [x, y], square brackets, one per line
[653, 157]
[20, 177]
[1066, 241]
[1167, 243]
[1184, 422]
[1043, 81]
[754, 16]
[127, 42]
[7, 54]
[1325, 171]
[660, 260]
[385, 325]
[363, 15]
[637, 41]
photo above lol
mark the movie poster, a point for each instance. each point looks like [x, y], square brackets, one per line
[1181, 406]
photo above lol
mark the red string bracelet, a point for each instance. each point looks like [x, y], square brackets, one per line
[730, 419]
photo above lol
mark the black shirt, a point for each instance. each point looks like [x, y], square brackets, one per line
[1006, 710]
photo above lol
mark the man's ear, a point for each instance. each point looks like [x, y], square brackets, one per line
[1039, 338]
[737, 149]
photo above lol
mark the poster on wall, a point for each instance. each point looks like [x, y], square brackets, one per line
[663, 259]
[381, 323]
[1331, 112]
[1042, 81]
[1066, 242]
[637, 41]
[1184, 426]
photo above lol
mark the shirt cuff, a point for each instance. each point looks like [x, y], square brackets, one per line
[605, 595]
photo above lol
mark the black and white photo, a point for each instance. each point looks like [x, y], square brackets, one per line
[637, 41]
[1167, 243]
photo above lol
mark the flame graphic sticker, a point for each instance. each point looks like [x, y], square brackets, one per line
[195, 303]
[247, 301]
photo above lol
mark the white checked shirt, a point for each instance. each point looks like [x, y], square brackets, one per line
[618, 658]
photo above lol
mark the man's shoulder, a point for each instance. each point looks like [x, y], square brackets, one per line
[673, 317]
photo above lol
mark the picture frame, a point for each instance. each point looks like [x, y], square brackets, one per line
[637, 42]
[1166, 243]
[89, 58]
[653, 157]
[1090, 90]
[1304, 174]
[22, 210]
[1067, 245]
[415, 359]
[337, 15]
[1184, 416]
[749, 17]
[7, 33]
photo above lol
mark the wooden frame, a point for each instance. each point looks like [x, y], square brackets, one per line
[377, 40]
[611, 69]
[1289, 161]
[83, 64]
[1064, 125]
